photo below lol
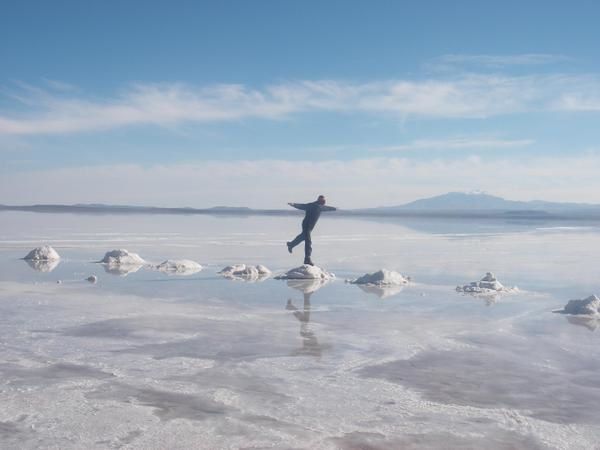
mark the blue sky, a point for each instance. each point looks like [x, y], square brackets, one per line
[259, 103]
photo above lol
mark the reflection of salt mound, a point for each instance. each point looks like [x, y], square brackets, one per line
[383, 291]
[587, 307]
[487, 285]
[306, 272]
[591, 323]
[122, 257]
[179, 267]
[246, 273]
[121, 270]
[43, 253]
[307, 286]
[43, 266]
[382, 278]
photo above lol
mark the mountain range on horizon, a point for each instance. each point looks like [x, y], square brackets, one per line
[482, 201]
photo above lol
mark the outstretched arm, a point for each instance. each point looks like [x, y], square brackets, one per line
[328, 208]
[301, 206]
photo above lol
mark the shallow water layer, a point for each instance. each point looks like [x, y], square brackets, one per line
[144, 359]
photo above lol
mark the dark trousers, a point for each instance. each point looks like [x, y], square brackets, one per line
[304, 236]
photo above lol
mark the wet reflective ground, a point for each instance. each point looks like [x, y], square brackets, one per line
[142, 359]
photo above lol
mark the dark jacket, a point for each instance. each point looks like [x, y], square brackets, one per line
[313, 212]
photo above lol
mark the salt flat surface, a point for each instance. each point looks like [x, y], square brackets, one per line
[153, 361]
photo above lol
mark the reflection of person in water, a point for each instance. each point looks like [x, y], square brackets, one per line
[310, 345]
[313, 212]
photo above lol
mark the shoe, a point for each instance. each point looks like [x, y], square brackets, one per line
[289, 246]
[308, 261]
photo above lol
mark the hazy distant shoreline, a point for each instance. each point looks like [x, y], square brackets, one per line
[535, 215]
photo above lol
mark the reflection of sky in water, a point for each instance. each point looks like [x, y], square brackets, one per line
[296, 363]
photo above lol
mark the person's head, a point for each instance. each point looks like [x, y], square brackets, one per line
[321, 200]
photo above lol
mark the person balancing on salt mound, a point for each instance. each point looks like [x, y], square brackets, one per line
[313, 211]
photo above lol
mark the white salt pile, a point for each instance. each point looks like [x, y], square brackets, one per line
[382, 278]
[247, 273]
[122, 262]
[306, 272]
[92, 279]
[122, 257]
[586, 307]
[487, 285]
[179, 267]
[43, 253]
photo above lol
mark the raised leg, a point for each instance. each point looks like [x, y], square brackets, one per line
[296, 240]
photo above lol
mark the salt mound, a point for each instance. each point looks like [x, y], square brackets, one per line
[487, 285]
[587, 307]
[244, 272]
[179, 267]
[43, 253]
[306, 272]
[122, 262]
[122, 257]
[382, 278]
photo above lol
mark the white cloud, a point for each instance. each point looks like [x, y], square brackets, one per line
[468, 96]
[457, 143]
[498, 61]
[273, 183]
[578, 102]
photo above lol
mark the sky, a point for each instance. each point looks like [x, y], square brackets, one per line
[260, 103]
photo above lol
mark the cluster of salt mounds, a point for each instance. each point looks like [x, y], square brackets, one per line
[122, 262]
[487, 285]
[178, 267]
[587, 307]
[382, 278]
[246, 273]
[43, 253]
[306, 272]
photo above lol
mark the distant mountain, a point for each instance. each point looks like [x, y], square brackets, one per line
[480, 201]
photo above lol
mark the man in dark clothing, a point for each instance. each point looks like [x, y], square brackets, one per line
[313, 211]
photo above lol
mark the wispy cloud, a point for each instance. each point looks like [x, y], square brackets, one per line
[456, 143]
[273, 183]
[578, 102]
[495, 61]
[66, 111]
